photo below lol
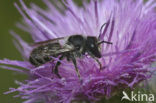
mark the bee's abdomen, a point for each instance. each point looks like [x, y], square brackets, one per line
[39, 60]
[42, 54]
[34, 61]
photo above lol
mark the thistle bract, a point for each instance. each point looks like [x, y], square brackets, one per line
[131, 27]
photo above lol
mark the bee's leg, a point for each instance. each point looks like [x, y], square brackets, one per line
[75, 65]
[97, 60]
[56, 69]
[57, 65]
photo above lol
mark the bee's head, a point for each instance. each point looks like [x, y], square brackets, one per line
[92, 46]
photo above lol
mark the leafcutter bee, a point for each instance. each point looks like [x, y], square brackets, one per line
[72, 47]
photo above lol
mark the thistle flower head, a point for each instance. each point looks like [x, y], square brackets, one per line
[131, 27]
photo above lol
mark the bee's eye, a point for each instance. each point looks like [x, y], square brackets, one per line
[92, 45]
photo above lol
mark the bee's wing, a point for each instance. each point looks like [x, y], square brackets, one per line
[47, 41]
[65, 49]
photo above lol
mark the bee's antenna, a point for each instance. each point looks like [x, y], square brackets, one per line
[101, 29]
[104, 42]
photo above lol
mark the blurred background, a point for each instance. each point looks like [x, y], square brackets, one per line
[9, 16]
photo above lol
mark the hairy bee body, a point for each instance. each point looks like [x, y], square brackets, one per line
[43, 53]
[72, 47]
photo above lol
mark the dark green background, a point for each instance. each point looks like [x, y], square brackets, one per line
[8, 18]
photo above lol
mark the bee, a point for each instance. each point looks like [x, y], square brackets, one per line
[72, 47]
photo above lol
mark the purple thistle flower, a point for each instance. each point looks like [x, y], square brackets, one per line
[130, 26]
